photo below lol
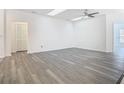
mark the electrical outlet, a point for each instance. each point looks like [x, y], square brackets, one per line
[41, 46]
[1, 59]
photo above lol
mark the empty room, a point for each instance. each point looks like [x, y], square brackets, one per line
[61, 46]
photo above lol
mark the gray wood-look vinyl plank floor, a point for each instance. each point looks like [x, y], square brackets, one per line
[66, 66]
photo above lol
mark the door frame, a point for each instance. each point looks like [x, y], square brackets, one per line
[25, 23]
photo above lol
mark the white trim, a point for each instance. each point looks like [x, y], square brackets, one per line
[1, 57]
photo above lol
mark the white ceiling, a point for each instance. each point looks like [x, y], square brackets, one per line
[37, 11]
[70, 14]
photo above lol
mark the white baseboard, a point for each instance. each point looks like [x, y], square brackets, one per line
[8, 55]
[1, 59]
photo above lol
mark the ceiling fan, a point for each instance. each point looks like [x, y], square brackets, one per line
[89, 14]
[86, 15]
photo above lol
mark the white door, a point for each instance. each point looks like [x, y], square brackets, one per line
[21, 36]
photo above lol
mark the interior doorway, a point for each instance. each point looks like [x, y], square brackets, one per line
[119, 38]
[20, 39]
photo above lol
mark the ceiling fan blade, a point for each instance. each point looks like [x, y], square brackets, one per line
[91, 16]
[93, 13]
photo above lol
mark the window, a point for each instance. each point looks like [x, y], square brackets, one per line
[122, 36]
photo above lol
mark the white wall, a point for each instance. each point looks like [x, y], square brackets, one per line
[1, 33]
[52, 33]
[49, 32]
[91, 33]
[110, 20]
